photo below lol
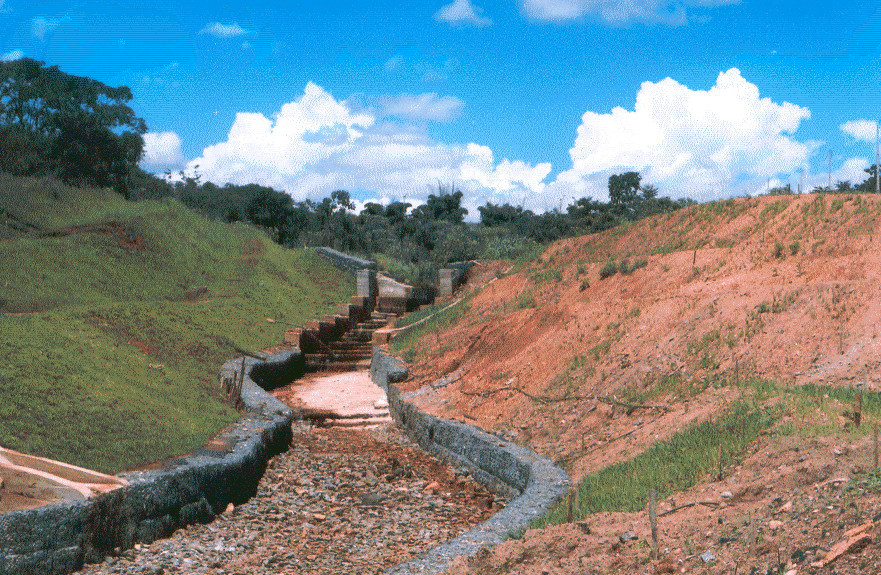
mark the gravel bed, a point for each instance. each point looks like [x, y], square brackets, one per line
[338, 501]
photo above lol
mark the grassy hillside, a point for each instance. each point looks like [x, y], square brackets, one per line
[115, 318]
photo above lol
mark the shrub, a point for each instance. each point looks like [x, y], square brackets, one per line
[778, 250]
[794, 247]
[608, 270]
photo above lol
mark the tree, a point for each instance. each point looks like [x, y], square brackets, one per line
[341, 201]
[868, 185]
[443, 206]
[270, 209]
[624, 190]
[780, 190]
[85, 128]
[503, 214]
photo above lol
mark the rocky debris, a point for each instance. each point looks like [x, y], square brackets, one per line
[854, 540]
[337, 501]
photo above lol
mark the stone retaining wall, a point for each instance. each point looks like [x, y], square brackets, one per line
[345, 261]
[60, 537]
[502, 466]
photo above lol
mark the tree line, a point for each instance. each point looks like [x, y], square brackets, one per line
[85, 133]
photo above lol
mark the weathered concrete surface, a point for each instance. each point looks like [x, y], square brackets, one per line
[365, 285]
[500, 465]
[37, 478]
[58, 538]
[450, 278]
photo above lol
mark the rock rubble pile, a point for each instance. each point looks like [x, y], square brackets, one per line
[338, 501]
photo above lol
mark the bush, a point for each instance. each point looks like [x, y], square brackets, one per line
[794, 247]
[608, 270]
[778, 250]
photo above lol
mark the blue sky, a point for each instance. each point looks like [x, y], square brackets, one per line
[511, 99]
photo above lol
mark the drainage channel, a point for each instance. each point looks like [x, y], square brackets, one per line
[340, 500]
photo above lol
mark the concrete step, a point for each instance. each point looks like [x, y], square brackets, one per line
[358, 335]
[347, 356]
[351, 346]
[347, 345]
[350, 420]
[312, 365]
[361, 424]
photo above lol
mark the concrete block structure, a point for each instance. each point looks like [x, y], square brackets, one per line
[451, 277]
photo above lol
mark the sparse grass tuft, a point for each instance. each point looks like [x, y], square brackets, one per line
[667, 466]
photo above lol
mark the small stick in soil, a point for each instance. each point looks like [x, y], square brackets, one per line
[570, 504]
[653, 521]
[875, 446]
[687, 505]
[721, 466]
[858, 410]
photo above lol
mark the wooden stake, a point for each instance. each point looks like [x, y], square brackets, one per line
[875, 445]
[858, 411]
[653, 521]
[694, 259]
[570, 504]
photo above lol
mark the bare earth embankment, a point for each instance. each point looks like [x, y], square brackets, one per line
[773, 303]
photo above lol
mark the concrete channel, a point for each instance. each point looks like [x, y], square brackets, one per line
[112, 530]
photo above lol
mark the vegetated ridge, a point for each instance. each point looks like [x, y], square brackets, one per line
[720, 349]
[115, 317]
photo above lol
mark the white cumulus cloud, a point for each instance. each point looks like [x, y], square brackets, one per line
[41, 25]
[162, 151]
[16, 54]
[672, 12]
[863, 130]
[428, 106]
[394, 63]
[219, 30]
[698, 143]
[317, 144]
[462, 13]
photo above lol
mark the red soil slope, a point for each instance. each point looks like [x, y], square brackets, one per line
[592, 371]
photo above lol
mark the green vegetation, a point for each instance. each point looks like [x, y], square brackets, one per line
[115, 318]
[411, 343]
[667, 466]
[75, 128]
[608, 270]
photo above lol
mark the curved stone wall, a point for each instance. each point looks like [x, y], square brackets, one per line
[345, 261]
[502, 466]
[59, 538]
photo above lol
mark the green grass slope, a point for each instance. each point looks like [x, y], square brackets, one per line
[109, 348]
